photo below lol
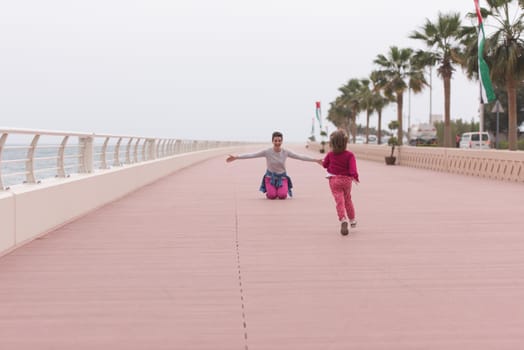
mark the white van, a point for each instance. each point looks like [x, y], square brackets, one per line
[471, 140]
[423, 134]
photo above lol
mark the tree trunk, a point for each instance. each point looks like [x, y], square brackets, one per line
[400, 100]
[354, 125]
[447, 117]
[512, 113]
[379, 131]
[354, 129]
[367, 126]
[348, 126]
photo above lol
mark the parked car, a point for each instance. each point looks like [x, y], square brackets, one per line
[385, 138]
[520, 128]
[471, 140]
[360, 139]
[423, 134]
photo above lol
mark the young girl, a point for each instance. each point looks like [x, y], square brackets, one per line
[341, 166]
[275, 182]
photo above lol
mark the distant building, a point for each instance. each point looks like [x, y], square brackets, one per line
[436, 118]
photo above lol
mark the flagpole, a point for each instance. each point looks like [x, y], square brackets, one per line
[481, 120]
[481, 105]
[319, 116]
[485, 85]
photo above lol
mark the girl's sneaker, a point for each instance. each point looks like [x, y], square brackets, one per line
[344, 228]
[353, 223]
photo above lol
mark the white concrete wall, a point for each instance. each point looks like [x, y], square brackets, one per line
[7, 221]
[490, 163]
[27, 211]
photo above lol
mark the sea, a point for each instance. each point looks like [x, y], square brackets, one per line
[13, 161]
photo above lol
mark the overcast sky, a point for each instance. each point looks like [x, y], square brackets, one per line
[203, 69]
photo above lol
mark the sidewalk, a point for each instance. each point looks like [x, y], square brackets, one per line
[200, 260]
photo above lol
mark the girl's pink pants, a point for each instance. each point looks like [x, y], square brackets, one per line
[272, 192]
[341, 189]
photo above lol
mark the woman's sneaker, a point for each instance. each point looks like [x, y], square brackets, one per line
[353, 223]
[344, 228]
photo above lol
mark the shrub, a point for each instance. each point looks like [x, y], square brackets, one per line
[505, 145]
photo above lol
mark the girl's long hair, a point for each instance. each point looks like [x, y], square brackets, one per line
[338, 141]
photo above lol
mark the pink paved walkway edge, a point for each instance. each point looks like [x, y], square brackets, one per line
[199, 260]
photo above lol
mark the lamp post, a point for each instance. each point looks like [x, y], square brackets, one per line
[430, 95]
[497, 109]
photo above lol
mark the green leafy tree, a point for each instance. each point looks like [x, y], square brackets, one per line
[350, 99]
[397, 72]
[366, 101]
[339, 114]
[458, 127]
[379, 102]
[490, 118]
[504, 53]
[443, 39]
[393, 141]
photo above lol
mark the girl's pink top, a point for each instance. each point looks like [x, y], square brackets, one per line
[343, 163]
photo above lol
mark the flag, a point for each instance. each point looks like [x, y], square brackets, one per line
[486, 89]
[319, 114]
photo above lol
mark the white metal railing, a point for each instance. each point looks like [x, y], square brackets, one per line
[28, 156]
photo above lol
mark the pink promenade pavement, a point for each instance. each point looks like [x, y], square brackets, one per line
[200, 260]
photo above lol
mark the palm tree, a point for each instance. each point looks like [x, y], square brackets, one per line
[397, 73]
[350, 99]
[443, 38]
[366, 101]
[378, 102]
[339, 114]
[504, 53]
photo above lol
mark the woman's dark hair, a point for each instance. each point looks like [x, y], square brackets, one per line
[338, 141]
[277, 134]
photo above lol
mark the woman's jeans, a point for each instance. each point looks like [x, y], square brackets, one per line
[273, 192]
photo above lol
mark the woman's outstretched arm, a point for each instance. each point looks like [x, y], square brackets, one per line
[303, 157]
[259, 154]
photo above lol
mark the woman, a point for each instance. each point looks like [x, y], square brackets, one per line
[275, 183]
